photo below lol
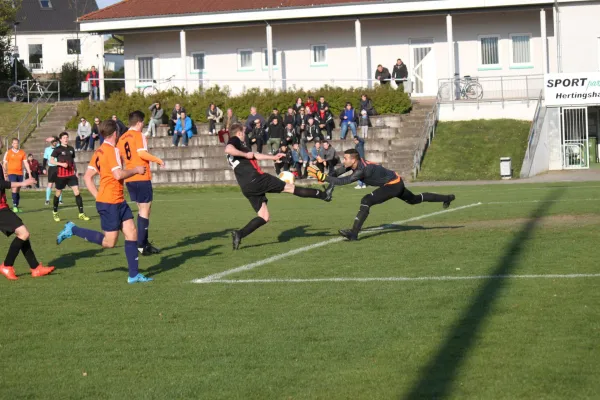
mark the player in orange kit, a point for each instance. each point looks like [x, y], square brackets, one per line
[115, 214]
[13, 162]
[134, 150]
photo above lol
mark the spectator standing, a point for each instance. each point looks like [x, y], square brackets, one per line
[183, 130]
[175, 115]
[254, 115]
[383, 75]
[34, 167]
[121, 128]
[284, 163]
[156, 116]
[400, 74]
[289, 135]
[348, 119]
[229, 120]
[95, 134]
[214, 116]
[316, 156]
[92, 78]
[256, 135]
[324, 120]
[311, 106]
[84, 130]
[367, 105]
[330, 157]
[298, 105]
[364, 124]
[359, 146]
[290, 117]
[275, 134]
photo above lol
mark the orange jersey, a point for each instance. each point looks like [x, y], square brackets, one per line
[129, 145]
[15, 160]
[104, 161]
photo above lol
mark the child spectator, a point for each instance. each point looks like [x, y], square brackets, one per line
[364, 124]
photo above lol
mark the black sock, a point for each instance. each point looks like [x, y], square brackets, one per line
[308, 192]
[253, 225]
[13, 252]
[29, 255]
[55, 204]
[360, 219]
[79, 202]
[434, 198]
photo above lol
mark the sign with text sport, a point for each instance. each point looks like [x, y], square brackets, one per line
[573, 89]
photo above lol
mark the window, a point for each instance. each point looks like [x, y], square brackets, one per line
[520, 50]
[197, 62]
[46, 4]
[73, 46]
[245, 59]
[266, 62]
[489, 52]
[318, 54]
[35, 56]
[145, 68]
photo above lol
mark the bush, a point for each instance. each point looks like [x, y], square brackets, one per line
[386, 100]
[70, 80]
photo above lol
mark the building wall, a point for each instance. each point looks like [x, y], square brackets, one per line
[580, 37]
[487, 110]
[383, 41]
[54, 50]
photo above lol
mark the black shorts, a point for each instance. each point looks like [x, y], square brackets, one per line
[255, 191]
[387, 192]
[52, 172]
[9, 221]
[69, 181]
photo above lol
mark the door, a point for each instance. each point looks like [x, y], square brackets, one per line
[422, 60]
[574, 135]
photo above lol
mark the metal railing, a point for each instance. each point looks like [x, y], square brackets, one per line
[427, 135]
[534, 137]
[470, 89]
[41, 88]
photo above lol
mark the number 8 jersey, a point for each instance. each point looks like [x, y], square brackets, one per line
[129, 144]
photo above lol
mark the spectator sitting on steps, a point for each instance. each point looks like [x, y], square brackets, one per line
[330, 157]
[383, 75]
[214, 116]
[317, 156]
[284, 164]
[311, 106]
[255, 136]
[290, 117]
[301, 121]
[95, 134]
[312, 131]
[156, 117]
[324, 120]
[298, 105]
[175, 115]
[289, 135]
[359, 146]
[275, 134]
[275, 115]
[183, 130]
[229, 120]
[297, 160]
[348, 118]
[84, 130]
[254, 115]
[34, 167]
[322, 104]
[121, 128]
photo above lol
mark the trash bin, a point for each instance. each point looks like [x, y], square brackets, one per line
[593, 146]
[506, 168]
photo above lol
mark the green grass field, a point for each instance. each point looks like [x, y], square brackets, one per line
[11, 115]
[471, 150]
[82, 332]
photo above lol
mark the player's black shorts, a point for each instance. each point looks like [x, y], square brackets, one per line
[52, 173]
[387, 192]
[255, 191]
[69, 181]
[9, 221]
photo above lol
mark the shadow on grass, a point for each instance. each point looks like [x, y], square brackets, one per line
[203, 237]
[69, 260]
[404, 228]
[300, 231]
[437, 377]
[173, 261]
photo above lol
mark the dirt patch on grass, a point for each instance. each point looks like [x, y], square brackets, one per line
[544, 222]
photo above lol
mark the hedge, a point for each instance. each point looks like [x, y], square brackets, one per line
[387, 100]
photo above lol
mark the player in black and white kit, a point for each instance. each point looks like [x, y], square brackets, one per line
[390, 185]
[255, 183]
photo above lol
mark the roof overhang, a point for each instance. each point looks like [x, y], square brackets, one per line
[302, 13]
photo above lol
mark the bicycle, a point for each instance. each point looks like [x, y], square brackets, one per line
[17, 94]
[154, 87]
[469, 88]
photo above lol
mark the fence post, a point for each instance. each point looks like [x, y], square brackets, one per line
[59, 91]
[27, 86]
[37, 114]
[527, 90]
[502, 90]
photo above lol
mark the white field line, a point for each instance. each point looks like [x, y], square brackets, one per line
[401, 278]
[320, 244]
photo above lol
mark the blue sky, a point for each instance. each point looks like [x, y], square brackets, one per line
[104, 3]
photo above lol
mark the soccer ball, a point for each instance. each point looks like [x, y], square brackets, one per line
[287, 177]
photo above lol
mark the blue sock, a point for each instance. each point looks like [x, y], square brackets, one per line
[18, 199]
[60, 198]
[142, 227]
[48, 193]
[89, 235]
[131, 252]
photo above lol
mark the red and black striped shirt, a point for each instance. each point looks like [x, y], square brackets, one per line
[65, 154]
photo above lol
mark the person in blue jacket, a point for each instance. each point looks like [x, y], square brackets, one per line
[183, 130]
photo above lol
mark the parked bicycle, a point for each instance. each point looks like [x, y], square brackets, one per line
[465, 88]
[155, 87]
[17, 92]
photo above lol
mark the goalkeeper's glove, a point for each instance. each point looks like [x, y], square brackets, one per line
[316, 173]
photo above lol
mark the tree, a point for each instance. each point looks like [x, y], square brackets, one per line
[8, 14]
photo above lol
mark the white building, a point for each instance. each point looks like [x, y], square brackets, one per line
[47, 35]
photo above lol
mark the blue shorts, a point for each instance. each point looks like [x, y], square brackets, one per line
[113, 215]
[15, 178]
[140, 191]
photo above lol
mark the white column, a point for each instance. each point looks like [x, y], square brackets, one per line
[269, 54]
[556, 20]
[450, 35]
[101, 91]
[184, 61]
[544, 41]
[359, 60]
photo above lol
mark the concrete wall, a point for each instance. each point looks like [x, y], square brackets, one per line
[54, 50]
[580, 37]
[487, 110]
[553, 143]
